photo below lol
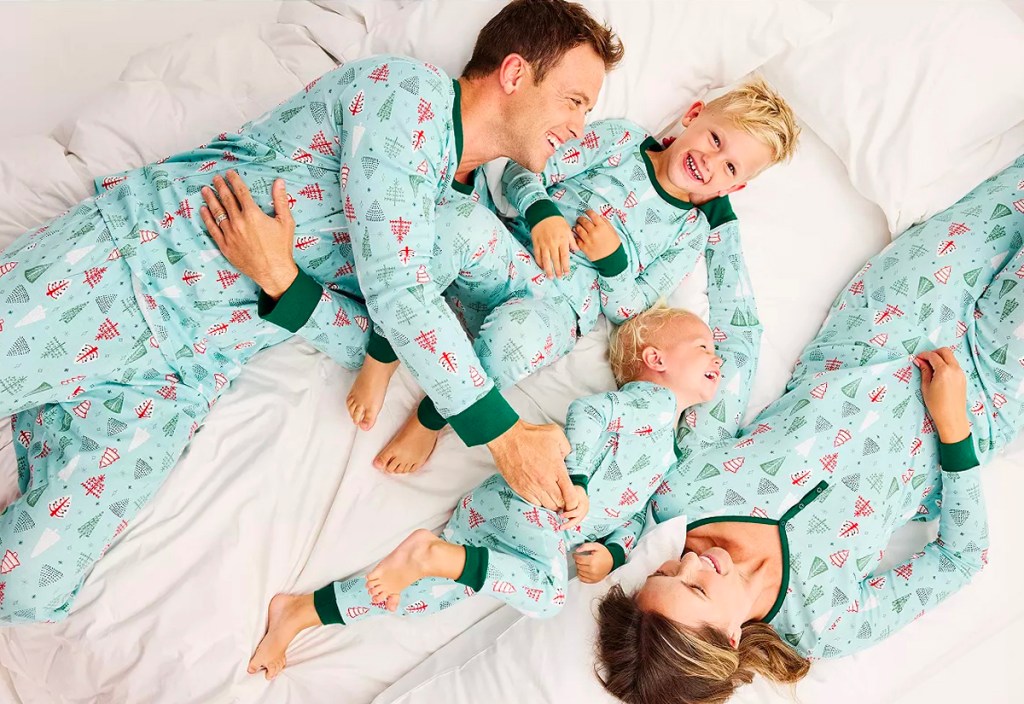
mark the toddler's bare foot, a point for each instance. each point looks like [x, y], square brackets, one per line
[420, 555]
[367, 395]
[409, 449]
[286, 616]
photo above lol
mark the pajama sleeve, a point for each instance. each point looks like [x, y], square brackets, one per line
[887, 602]
[737, 333]
[586, 425]
[395, 169]
[626, 293]
[534, 195]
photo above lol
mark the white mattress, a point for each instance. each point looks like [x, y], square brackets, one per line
[277, 492]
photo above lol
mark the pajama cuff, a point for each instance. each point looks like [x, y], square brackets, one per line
[618, 555]
[580, 480]
[541, 210]
[380, 349]
[475, 571]
[427, 415]
[295, 306]
[326, 605]
[958, 456]
[485, 420]
[718, 211]
[612, 265]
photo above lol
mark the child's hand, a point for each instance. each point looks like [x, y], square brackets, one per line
[576, 515]
[596, 236]
[944, 388]
[552, 242]
[593, 562]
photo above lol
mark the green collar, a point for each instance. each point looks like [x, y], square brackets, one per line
[465, 188]
[651, 144]
[457, 125]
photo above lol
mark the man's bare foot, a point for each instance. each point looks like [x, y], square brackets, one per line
[409, 449]
[420, 555]
[367, 395]
[286, 616]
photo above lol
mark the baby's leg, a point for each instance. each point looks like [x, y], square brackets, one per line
[366, 397]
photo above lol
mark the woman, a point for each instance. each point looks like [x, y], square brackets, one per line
[791, 518]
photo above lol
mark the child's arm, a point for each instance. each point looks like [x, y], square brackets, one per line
[586, 425]
[737, 332]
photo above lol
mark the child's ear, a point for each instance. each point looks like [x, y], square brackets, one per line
[652, 358]
[691, 114]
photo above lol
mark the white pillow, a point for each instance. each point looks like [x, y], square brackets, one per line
[921, 100]
[676, 50]
[560, 666]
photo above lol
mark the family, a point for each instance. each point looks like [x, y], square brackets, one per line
[356, 216]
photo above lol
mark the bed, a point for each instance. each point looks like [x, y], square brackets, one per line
[277, 492]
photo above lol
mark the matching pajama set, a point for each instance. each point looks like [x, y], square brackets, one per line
[848, 454]
[622, 444]
[121, 323]
[523, 322]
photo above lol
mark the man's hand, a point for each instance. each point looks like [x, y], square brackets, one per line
[596, 236]
[532, 460]
[575, 516]
[258, 245]
[552, 242]
[944, 388]
[593, 562]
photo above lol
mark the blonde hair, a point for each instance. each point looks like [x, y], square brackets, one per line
[762, 113]
[646, 658]
[630, 339]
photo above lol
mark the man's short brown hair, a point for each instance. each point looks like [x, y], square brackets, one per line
[541, 31]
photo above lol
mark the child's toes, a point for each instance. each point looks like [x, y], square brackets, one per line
[392, 602]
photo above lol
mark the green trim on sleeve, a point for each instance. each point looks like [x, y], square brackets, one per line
[612, 265]
[541, 210]
[380, 348]
[718, 211]
[475, 570]
[427, 415]
[580, 480]
[295, 306]
[958, 456]
[618, 555]
[485, 420]
[327, 605]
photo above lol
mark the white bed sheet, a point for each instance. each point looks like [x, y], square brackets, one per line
[277, 493]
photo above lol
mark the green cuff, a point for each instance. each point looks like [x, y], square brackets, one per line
[958, 456]
[327, 605]
[541, 210]
[580, 480]
[485, 420]
[295, 306]
[612, 265]
[618, 555]
[718, 211]
[475, 571]
[428, 416]
[380, 349]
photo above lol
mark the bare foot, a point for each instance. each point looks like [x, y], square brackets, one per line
[286, 616]
[420, 555]
[367, 395]
[409, 449]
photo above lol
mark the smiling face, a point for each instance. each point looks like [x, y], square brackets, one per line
[713, 157]
[685, 359]
[698, 590]
[539, 117]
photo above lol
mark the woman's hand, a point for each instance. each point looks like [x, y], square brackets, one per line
[596, 236]
[944, 387]
[593, 562]
[258, 245]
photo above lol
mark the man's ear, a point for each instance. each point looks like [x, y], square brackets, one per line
[512, 73]
[692, 113]
[652, 359]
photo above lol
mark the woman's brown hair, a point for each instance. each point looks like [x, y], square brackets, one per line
[541, 31]
[647, 658]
